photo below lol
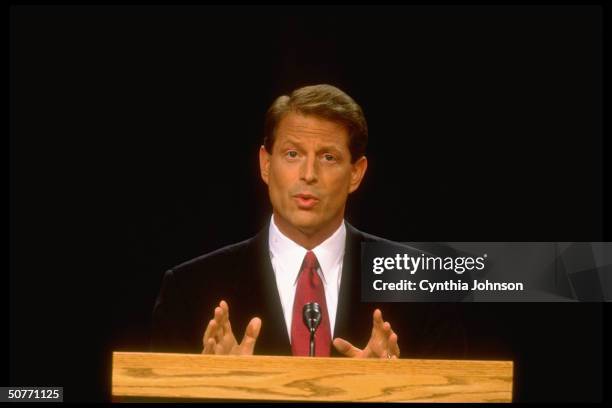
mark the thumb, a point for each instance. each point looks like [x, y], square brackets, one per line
[346, 348]
[250, 336]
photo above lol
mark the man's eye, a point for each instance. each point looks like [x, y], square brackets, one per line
[329, 157]
[292, 154]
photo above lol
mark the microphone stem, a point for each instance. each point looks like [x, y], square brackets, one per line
[312, 343]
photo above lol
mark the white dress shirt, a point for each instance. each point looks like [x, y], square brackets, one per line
[287, 257]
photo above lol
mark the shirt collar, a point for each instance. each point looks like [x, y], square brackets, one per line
[291, 254]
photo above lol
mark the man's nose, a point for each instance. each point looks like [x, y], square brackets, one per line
[309, 170]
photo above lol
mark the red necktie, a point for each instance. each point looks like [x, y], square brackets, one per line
[310, 289]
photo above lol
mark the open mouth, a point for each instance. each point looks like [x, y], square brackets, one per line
[305, 201]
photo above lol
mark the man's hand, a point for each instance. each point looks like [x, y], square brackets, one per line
[219, 338]
[382, 344]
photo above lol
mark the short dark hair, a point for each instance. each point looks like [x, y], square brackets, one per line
[325, 101]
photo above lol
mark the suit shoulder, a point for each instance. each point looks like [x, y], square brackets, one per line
[219, 258]
[403, 246]
[365, 237]
[374, 238]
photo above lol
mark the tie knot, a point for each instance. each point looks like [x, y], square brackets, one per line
[310, 261]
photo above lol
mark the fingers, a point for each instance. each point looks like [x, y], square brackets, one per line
[219, 349]
[389, 347]
[223, 304]
[219, 338]
[384, 341]
[209, 346]
[377, 320]
[346, 348]
[209, 329]
[378, 324]
[225, 311]
[227, 327]
[216, 329]
[392, 347]
[209, 335]
[222, 316]
[247, 345]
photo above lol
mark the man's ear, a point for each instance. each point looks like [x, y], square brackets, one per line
[357, 172]
[264, 164]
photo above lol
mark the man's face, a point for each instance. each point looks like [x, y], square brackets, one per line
[309, 174]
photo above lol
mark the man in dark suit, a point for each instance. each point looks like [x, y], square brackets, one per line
[313, 157]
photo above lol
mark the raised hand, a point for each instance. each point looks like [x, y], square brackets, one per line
[219, 338]
[382, 343]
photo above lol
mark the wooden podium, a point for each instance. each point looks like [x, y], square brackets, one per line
[194, 377]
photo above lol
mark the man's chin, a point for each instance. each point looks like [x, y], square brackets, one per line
[307, 224]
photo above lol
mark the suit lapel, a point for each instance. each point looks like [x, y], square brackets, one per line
[273, 338]
[349, 296]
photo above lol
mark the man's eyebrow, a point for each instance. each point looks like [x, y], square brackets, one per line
[324, 147]
[331, 147]
[290, 140]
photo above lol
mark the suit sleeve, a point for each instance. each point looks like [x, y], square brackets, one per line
[171, 331]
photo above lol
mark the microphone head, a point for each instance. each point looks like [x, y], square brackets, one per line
[312, 315]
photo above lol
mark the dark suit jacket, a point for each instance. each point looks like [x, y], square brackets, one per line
[242, 275]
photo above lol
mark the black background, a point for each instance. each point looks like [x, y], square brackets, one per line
[134, 137]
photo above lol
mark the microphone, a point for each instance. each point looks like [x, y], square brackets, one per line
[312, 318]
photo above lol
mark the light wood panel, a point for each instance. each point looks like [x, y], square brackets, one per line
[274, 378]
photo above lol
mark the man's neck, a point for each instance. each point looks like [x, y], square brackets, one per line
[307, 239]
